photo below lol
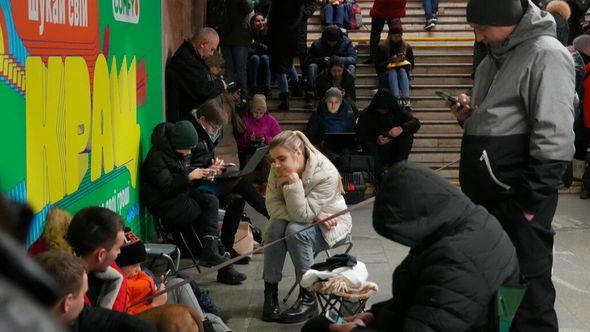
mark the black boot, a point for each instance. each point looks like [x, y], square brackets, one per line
[229, 275]
[210, 255]
[304, 308]
[270, 309]
[585, 192]
[309, 99]
[297, 89]
[284, 105]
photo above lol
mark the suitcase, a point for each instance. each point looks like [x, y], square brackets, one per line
[354, 187]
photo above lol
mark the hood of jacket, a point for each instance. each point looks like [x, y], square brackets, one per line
[382, 99]
[534, 23]
[161, 138]
[415, 206]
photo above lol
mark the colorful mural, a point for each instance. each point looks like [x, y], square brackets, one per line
[80, 91]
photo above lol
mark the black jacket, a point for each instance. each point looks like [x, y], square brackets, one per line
[283, 26]
[343, 50]
[388, 49]
[326, 81]
[163, 173]
[372, 123]
[188, 83]
[459, 255]
[259, 44]
[322, 122]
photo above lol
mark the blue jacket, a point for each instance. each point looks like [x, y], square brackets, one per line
[322, 122]
[343, 50]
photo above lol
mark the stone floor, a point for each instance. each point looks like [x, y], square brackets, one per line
[571, 271]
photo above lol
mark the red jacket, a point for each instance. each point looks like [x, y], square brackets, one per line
[38, 247]
[388, 9]
[586, 99]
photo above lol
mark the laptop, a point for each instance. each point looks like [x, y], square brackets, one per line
[339, 141]
[250, 165]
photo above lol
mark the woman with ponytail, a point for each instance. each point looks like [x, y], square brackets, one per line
[303, 186]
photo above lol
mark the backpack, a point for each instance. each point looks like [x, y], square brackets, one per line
[355, 16]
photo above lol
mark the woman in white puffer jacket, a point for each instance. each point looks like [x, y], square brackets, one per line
[303, 186]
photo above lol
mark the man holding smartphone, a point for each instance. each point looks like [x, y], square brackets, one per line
[518, 138]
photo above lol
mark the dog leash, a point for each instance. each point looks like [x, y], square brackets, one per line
[218, 267]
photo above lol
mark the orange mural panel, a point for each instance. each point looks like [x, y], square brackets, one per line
[58, 27]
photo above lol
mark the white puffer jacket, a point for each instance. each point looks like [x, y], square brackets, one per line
[317, 191]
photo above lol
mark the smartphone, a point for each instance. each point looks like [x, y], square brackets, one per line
[232, 87]
[446, 96]
[334, 317]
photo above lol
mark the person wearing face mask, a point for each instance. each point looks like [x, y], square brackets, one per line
[303, 186]
[386, 131]
[188, 80]
[170, 190]
[393, 63]
[334, 115]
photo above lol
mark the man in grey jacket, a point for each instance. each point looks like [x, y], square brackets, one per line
[518, 138]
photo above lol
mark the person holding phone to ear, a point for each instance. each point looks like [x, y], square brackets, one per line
[518, 138]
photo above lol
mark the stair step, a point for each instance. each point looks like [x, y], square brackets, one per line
[409, 35]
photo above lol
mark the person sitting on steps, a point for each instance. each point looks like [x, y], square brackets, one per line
[393, 63]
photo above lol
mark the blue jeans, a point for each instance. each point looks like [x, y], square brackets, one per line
[334, 15]
[282, 79]
[301, 248]
[254, 63]
[313, 70]
[398, 82]
[236, 58]
[430, 8]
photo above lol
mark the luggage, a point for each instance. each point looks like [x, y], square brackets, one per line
[354, 187]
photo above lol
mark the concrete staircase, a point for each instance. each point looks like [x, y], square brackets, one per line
[443, 62]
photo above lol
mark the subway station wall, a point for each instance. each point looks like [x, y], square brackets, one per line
[80, 91]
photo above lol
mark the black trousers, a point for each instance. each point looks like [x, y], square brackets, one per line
[194, 208]
[534, 246]
[234, 207]
[377, 25]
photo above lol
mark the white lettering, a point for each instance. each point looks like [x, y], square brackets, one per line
[34, 10]
[127, 11]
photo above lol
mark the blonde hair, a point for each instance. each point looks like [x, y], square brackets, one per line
[56, 227]
[560, 8]
[294, 140]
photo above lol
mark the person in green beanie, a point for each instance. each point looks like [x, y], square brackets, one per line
[170, 191]
[518, 138]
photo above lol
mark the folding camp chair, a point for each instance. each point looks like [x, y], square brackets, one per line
[347, 241]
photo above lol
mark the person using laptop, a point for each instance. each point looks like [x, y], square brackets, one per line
[334, 115]
[386, 131]
[233, 191]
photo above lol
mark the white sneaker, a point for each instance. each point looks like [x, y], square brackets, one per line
[429, 25]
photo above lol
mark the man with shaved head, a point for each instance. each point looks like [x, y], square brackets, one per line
[188, 80]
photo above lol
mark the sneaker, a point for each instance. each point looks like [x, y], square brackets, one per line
[429, 25]
[435, 19]
[233, 254]
[207, 304]
[230, 276]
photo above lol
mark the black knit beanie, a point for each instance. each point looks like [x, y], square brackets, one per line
[496, 12]
[132, 251]
[183, 136]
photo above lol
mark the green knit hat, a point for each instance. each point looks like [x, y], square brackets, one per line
[495, 12]
[183, 136]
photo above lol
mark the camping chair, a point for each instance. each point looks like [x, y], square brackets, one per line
[347, 241]
[180, 237]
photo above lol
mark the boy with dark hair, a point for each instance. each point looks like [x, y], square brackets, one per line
[96, 235]
[69, 274]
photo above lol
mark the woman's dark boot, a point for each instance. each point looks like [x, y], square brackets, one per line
[304, 308]
[284, 105]
[270, 309]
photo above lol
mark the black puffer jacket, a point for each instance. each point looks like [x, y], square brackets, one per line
[163, 173]
[459, 256]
